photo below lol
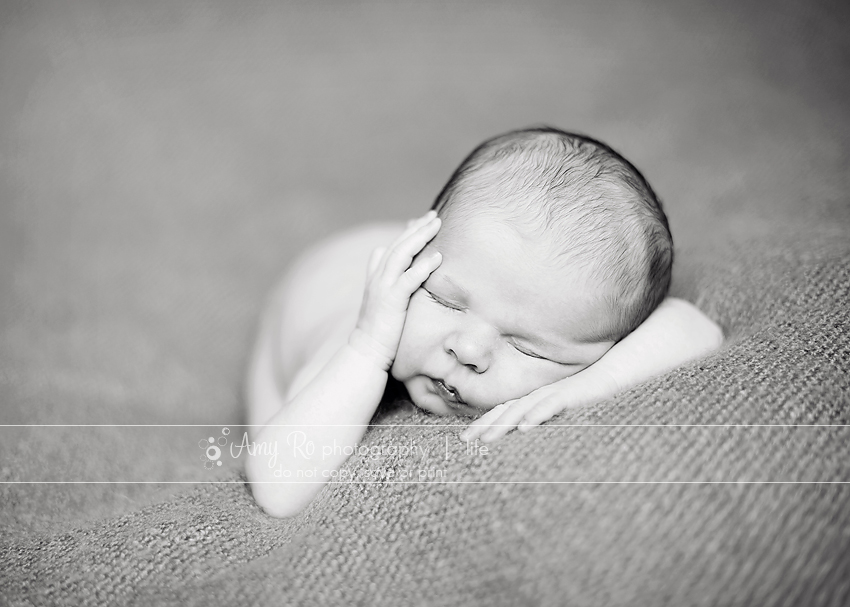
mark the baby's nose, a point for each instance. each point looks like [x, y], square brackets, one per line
[472, 349]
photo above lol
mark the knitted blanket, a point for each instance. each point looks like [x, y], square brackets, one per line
[158, 174]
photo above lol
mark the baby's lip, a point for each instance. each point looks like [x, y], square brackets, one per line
[448, 393]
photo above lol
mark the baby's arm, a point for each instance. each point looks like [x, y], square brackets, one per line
[306, 440]
[674, 333]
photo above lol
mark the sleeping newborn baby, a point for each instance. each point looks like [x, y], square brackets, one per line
[537, 282]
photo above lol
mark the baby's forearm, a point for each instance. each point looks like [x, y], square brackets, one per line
[306, 440]
[675, 333]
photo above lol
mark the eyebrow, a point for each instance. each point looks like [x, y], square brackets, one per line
[536, 341]
[452, 284]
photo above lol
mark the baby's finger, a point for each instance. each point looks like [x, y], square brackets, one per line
[420, 219]
[400, 256]
[482, 424]
[544, 411]
[508, 420]
[375, 260]
[413, 225]
[419, 272]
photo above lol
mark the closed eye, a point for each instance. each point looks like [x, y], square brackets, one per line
[529, 353]
[442, 301]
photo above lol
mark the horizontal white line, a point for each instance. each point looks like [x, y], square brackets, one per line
[423, 425]
[432, 482]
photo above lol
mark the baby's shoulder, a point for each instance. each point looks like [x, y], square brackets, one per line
[345, 253]
[358, 241]
[315, 306]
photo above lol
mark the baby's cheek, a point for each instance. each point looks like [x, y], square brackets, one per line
[403, 363]
[420, 324]
[490, 390]
[523, 377]
[410, 346]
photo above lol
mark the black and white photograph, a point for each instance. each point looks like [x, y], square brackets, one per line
[451, 303]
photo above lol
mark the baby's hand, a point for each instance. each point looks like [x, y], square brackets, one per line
[392, 280]
[543, 404]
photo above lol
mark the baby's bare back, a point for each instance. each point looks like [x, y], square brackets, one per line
[312, 311]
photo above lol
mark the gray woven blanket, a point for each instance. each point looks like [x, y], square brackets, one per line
[160, 164]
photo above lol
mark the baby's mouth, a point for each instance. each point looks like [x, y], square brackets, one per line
[448, 393]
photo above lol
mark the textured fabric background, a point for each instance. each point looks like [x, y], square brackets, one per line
[161, 162]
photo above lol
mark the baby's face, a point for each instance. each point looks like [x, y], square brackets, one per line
[497, 320]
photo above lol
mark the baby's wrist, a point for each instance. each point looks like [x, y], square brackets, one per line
[368, 347]
[598, 379]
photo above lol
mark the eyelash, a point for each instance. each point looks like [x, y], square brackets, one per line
[529, 354]
[442, 302]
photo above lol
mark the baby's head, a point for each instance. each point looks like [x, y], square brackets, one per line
[554, 248]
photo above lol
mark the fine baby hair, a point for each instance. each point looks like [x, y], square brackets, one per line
[593, 205]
